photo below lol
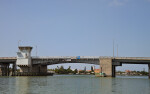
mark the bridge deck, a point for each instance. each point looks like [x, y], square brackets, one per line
[79, 59]
[8, 58]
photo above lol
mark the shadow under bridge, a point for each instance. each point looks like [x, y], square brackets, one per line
[60, 60]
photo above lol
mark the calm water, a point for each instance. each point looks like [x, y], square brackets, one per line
[74, 84]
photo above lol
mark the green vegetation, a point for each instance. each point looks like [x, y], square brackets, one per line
[132, 73]
[61, 70]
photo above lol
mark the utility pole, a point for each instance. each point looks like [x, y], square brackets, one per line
[113, 47]
[36, 50]
[117, 50]
[18, 44]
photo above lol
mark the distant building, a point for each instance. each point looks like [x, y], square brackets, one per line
[88, 70]
[80, 71]
[97, 70]
[127, 71]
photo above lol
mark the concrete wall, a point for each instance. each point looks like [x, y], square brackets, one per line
[24, 56]
[39, 68]
[43, 68]
[24, 69]
[34, 68]
[106, 66]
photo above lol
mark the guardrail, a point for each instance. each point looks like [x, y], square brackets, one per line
[8, 57]
[65, 57]
[85, 57]
[132, 58]
[77, 57]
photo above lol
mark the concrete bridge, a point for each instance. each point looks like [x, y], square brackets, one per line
[5, 63]
[29, 64]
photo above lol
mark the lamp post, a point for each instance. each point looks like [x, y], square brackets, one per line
[113, 47]
[117, 50]
[36, 50]
[18, 44]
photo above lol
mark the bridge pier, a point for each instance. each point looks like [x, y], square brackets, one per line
[39, 68]
[4, 69]
[107, 67]
[13, 69]
[149, 70]
[33, 70]
[24, 61]
[113, 71]
[24, 68]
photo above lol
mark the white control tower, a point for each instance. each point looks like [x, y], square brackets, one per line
[24, 56]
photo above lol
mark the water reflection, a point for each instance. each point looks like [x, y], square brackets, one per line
[28, 85]
[73, 84]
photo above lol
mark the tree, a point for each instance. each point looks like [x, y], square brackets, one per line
[75, 71]
[85, 69]
[61, 70]
[69, 70]
[56, 70]
[92, 68]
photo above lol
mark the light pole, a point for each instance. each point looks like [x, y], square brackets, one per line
[113, 47]
[36, 50]
[18, 44]
[117, 50]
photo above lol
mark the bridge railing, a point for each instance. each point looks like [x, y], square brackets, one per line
[86, 57]
[65, 57]
[133, 58]
[8, 57]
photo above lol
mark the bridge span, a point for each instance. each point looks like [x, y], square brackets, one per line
[36, 64]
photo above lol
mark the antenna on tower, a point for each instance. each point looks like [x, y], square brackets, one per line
[36, 50]
[18, 44]
[117, 50]
[113, 47]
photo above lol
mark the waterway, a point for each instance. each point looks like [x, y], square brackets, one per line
[75, 84]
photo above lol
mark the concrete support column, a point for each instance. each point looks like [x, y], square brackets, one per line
[44, 68]
[113, 71]
[0, 70]
[13, 69]
[106, 66]
[8, 70]
[39, 68]
[149, 70]
[5, 69]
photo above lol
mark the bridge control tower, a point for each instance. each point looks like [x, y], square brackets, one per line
[24, 58]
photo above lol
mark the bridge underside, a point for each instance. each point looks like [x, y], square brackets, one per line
[108, 65]
[5, 69]
[131, 61]
[60, 61]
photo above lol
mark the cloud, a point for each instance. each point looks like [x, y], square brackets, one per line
[117, 2]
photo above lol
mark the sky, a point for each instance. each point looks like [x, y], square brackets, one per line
[76, 27]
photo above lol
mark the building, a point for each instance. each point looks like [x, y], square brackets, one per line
[127, 71]
[97, 70]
